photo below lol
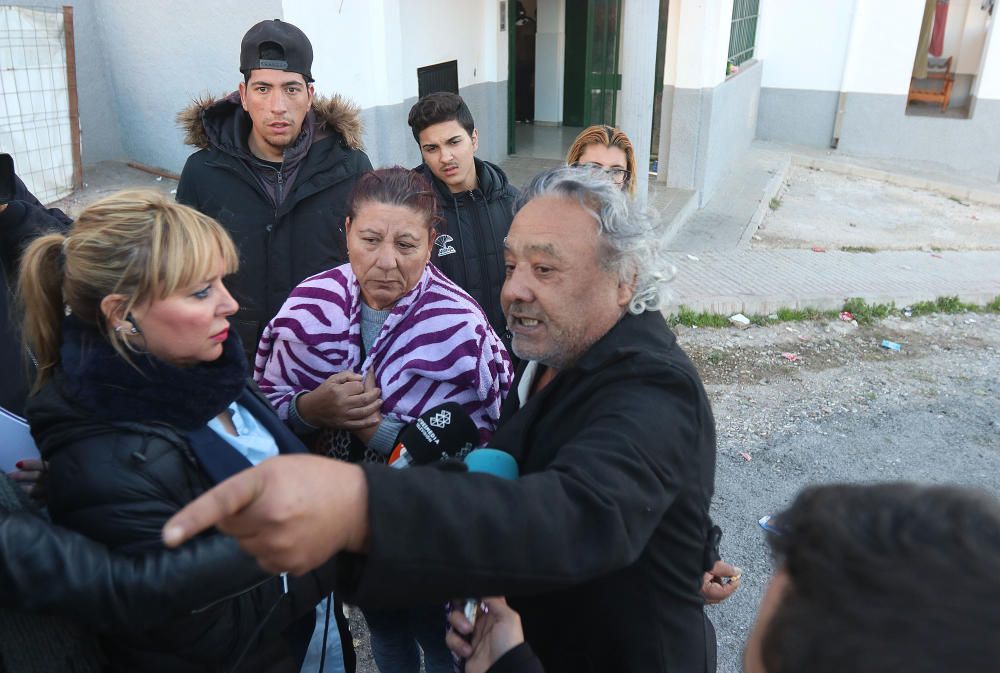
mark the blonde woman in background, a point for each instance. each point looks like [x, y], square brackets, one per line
[609, 149]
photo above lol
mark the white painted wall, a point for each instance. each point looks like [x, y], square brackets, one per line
[883, 43]
[160, 56]
[550, 58]
[811, 46]
[697, 43]
[442, 30]
[370, 49]
[988, 83]
[804, 44]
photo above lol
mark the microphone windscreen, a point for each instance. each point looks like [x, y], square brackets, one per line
[440, 433]
[492, 461]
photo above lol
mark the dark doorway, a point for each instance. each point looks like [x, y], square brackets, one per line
[525, 28]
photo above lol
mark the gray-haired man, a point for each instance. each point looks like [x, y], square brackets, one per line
[602, 542]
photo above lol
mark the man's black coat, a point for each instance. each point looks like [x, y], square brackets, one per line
[601, 542]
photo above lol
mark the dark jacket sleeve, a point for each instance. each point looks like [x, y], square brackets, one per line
[120, 489]
[23, 220]
[45, 568]
[21, 193]
[518, 659]
[591, 511]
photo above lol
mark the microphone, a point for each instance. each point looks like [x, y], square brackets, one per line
[442, 433]
[500, 464]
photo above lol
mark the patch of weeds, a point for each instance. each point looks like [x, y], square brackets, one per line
[957, 200]
[858, 248]
[686, 316]
[942, 305]
[775, 202]
[866, 313]
[800, 314]
[716, 358]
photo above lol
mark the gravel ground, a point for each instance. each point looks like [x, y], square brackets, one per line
[844, 410]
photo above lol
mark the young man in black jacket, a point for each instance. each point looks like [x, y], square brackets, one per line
[275, 166]
[602, 543]
[476, 200]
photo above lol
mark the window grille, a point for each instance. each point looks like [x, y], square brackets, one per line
[742, 34]
[439, 77]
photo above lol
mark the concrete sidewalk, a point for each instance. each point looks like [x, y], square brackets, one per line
[717, 270]
[762, 281]
[740, 203]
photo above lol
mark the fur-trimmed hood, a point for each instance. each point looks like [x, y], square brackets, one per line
[205, 121]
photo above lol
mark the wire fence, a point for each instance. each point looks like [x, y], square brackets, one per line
[35, 119]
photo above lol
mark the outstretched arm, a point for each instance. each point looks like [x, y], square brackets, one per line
[46, 568]
[264, 509]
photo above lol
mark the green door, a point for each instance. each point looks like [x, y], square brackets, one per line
[511, 10]
[591, 79]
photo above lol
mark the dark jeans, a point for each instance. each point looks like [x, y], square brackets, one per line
[395, 634]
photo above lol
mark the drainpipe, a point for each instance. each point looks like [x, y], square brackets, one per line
[849, 59]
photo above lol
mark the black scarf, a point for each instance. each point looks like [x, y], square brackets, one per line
[99, 379]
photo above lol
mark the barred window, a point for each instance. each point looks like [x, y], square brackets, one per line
[742, 34]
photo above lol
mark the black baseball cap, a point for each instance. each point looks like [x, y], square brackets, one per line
[276, 45]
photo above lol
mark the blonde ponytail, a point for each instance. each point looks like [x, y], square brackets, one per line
[41, 300]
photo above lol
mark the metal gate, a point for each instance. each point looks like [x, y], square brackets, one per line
[39, 122]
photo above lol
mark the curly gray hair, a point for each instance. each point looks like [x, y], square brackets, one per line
[634, 241]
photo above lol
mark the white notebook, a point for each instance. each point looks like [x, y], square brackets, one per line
[15, 441]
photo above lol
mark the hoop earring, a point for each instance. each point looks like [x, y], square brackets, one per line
[135, 328]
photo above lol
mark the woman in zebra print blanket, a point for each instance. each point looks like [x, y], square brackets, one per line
[359, 351]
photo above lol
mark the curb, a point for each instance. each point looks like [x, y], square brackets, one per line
[771, 190]
[681, 217]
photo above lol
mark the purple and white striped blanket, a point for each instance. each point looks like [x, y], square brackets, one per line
[435, 347]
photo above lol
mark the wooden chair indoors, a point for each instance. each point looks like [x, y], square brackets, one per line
[937, 87]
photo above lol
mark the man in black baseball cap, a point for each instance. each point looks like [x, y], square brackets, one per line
[275, 165]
